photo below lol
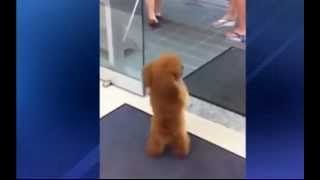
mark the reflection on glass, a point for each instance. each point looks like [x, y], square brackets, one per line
[121, 36]
[186, 29]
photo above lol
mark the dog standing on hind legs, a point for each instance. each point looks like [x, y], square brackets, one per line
[168, 98]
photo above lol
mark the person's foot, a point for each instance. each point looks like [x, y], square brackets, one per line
[236, 35]
[153, 23]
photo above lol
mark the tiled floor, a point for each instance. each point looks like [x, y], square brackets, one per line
[187, 42]
[217, 114]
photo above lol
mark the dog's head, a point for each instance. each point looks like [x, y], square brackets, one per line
[163, 73]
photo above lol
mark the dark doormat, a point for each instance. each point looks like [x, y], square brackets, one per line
[221, 81]
[122, 140]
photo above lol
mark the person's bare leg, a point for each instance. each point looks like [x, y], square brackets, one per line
[230, 15]
[239, 32]
[158, 8]
[241, 9]
[232, 11]
[151, 10]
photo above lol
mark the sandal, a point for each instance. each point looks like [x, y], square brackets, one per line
[154, 24]
[223, 22]
[159, 17]
[235, 36]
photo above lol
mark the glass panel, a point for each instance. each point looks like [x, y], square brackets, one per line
[121, 37]
[186, 29]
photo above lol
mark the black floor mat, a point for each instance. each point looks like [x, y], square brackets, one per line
[221, 81]
[123, 134]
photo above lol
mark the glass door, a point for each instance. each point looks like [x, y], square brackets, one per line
[121, 44]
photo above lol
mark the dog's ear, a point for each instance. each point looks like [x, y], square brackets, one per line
[147, 75]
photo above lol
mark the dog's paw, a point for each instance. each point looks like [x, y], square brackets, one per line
[153, 152]
[154, 149]
[181, 149]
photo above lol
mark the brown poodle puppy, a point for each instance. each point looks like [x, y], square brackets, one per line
[168, 98]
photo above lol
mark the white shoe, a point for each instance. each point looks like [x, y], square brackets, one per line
[223, 23]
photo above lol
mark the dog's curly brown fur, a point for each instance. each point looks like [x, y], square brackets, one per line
[168, 98]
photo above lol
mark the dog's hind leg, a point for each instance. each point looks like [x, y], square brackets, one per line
[155, 146]
[181, 145]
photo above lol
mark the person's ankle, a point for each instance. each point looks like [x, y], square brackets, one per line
[240, 31]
